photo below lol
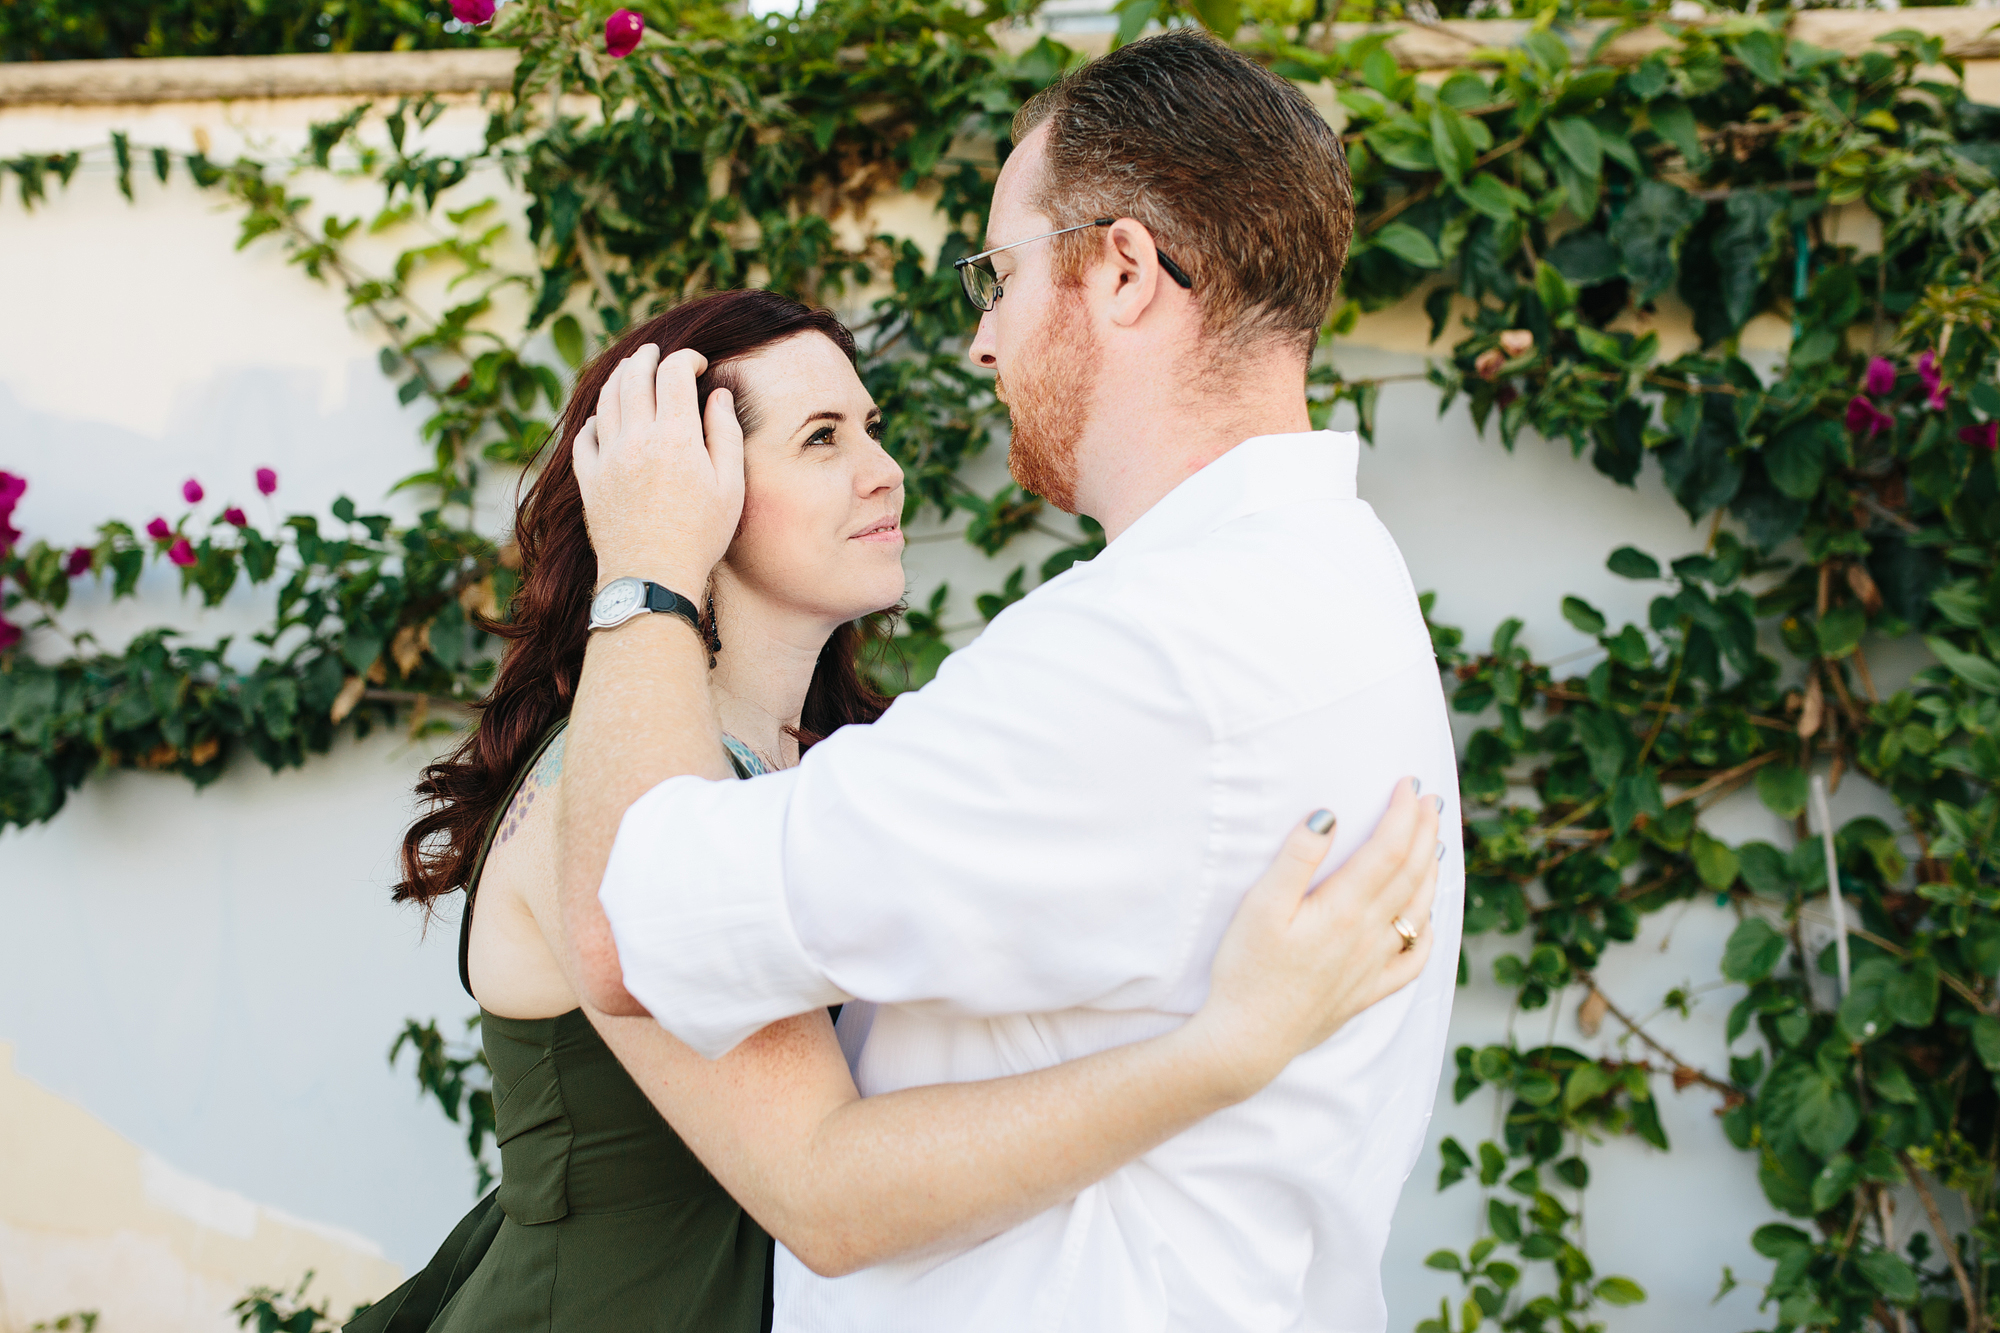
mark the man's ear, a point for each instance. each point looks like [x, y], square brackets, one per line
[1134, 280]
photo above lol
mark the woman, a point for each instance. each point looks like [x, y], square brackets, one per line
[647, 1200]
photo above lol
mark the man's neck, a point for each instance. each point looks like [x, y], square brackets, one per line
[1149, 433]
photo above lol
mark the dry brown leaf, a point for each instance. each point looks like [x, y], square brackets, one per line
[478, 599]
[1516, 341]
[350, 694]
[1489, 363]
[204, 752]
[1864, 588]
[409, 646]
[1590, 1014]
[159, 756]
[510, 555]
[378, 671]
[1814, 711]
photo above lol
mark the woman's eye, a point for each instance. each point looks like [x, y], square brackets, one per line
[875, 429]
[824, 435]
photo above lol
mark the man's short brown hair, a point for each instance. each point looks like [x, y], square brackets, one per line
[1241, 181]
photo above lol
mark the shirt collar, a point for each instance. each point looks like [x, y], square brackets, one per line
[1264, 472]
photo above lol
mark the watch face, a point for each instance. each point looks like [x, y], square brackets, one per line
[620, 598]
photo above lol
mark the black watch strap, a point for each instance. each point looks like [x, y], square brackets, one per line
[661, 598]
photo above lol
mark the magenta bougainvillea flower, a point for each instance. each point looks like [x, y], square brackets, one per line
[158, 530]
[1864, 418]
[79, 562]
[472, 13]
[191, 491]
[10, 634]
[235, 515]
[1881, 376]
[1983, 435]
[267, 481]
[181, 553]
[12, 488]
[622, 32]
[1927, 370]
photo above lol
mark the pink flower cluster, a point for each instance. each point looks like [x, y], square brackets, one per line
[473, 13]
[12, 488]
[179, 549]
[1866, 418]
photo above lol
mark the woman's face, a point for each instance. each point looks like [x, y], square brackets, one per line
[822, 503]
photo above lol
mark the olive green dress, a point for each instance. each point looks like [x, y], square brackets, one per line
[603, 1219]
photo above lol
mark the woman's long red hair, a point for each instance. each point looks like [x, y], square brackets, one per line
[549, 624]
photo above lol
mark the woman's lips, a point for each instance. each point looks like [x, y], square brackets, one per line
[885, 532]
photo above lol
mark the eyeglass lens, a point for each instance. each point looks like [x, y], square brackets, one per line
[980, 284]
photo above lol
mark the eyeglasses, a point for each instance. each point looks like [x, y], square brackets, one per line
[982, 284]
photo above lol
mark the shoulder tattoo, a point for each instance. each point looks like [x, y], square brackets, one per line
[543, 777]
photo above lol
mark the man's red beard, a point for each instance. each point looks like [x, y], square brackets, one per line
[1049, 401]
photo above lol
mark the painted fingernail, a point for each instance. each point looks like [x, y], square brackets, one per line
[1440, 849]
[1437, 803]
[1319, 821]
[1416, 786]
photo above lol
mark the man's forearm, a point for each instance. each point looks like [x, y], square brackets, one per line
[642, 715]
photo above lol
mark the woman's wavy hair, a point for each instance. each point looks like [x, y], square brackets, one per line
[549, 621]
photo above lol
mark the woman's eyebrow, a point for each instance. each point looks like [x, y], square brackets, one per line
[824, 414]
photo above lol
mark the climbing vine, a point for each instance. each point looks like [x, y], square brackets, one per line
[1542, 204]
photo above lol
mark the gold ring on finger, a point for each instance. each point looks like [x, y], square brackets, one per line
[1406, 930]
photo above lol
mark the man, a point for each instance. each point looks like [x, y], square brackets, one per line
[1033, 858]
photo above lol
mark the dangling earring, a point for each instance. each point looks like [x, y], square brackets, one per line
[710, 634]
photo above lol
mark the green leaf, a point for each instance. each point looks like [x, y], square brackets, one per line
[1763, 869]
[1674, 122]
[1714, 862]
[1223, 17]
[1133, 16]
[1636, 794]
[1978, 672]
[1762, 53]
[1783, 789]
[1486, 194]
[1986, 1041]
[1606, 741]
[1629, 562]
[1833, 1182]
[1796, 457]
[1887, 1272]
[568, 336]
[1619, 1291]
[1910, 997]
[1407, 243]
[1754, 948]
[1583, 615]
[1578, 140]
[1504, 1221]
[1839, 631]
[1825, 1116]
[1451, 143]
[1745, 248]
[1444, 1261]
[1649, 233]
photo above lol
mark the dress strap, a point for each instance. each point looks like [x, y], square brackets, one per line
[486, 846]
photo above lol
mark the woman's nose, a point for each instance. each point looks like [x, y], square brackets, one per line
[878, 472]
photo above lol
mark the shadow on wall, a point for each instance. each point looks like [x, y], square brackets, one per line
[89, 1220]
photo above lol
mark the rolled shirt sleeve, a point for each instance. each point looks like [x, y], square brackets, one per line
[1024, 834]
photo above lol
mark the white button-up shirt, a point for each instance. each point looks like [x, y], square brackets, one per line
[1034, 857]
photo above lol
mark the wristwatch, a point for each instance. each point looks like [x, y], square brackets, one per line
[622, 599]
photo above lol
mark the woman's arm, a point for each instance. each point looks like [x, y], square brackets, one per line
[846, 1182]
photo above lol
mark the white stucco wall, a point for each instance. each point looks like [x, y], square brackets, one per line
[213, 978]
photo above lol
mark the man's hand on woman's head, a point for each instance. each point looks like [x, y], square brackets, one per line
[1298, 961]
[662, 487]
